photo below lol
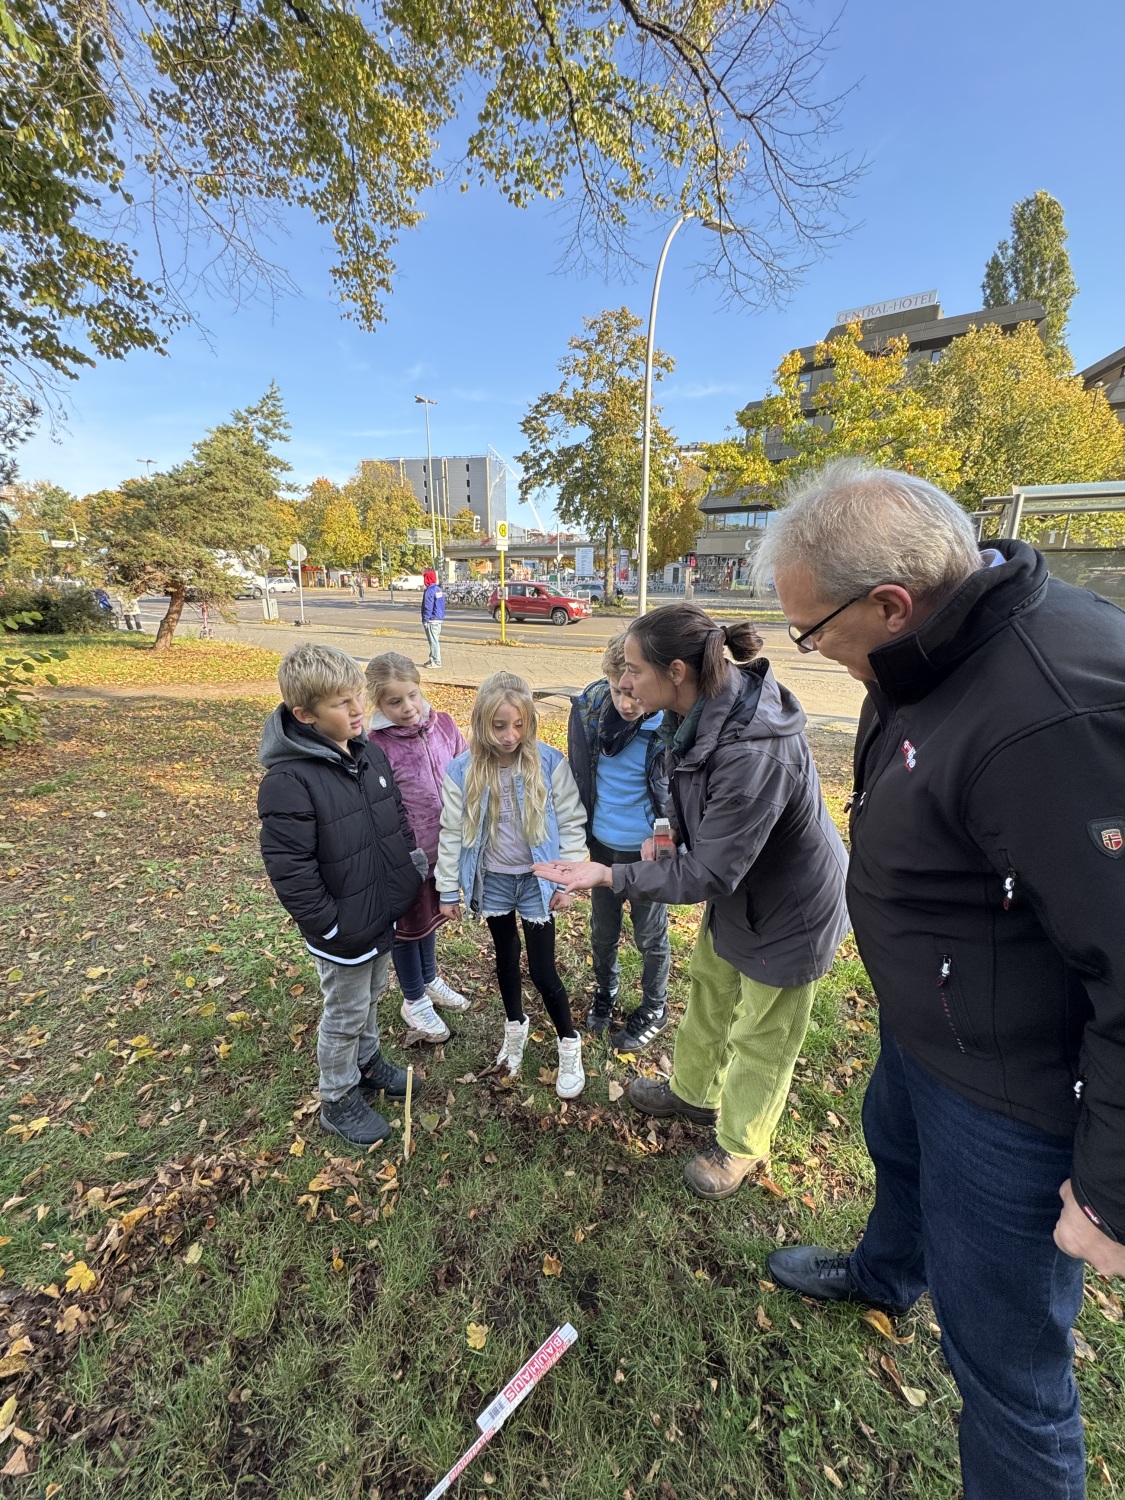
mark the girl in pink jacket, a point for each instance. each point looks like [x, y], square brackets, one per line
[419, 744]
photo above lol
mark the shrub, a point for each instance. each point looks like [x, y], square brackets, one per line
[19, 712]
[55, 611]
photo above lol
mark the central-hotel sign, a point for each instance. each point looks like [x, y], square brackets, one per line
[881, 309]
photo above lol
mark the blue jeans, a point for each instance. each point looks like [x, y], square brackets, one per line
[415, 966]
[433, 640]
[650, 933]
[966, 1200]
[501, 894]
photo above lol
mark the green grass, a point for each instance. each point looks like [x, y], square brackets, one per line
[128, 660]
[248, 1336]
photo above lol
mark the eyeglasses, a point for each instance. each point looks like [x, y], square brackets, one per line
[800, 638]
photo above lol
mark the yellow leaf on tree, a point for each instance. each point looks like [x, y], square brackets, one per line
[476, 1335]
[552, 1265]
[80, 1278]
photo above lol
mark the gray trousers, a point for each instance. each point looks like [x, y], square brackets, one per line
[650, 933]
[348, 1035]
[433, 639]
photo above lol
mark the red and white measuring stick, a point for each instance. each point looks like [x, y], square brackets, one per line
[522, 1383]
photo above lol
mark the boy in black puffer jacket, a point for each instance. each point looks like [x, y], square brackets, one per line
[343, 861]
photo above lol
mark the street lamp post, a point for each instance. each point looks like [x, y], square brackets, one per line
[646, 435]
[435, 523]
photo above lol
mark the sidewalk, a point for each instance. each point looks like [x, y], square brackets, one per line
[828, 695]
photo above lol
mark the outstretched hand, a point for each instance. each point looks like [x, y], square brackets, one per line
[573, 876]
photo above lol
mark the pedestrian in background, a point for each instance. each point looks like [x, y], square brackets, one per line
[433, 613]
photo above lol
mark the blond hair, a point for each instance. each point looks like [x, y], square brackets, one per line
[613, 658]
[483, 773]
[392, 666]
[310, 673]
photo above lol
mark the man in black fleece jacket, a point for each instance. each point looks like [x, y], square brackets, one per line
[987, 892]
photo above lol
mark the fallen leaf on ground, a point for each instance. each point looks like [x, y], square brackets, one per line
[913, 1396]
[80, 1278]
[8, 1412]
[476, 1335]
[880, 1322]
[615, 1090]
[552, 1265]
[17, 1465]
[193, 1254]
[832, 1477]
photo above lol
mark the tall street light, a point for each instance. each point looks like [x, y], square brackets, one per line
[646, 436]
[435, 524]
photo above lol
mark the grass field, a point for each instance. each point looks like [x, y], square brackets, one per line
[205, 1297]
[127, 660]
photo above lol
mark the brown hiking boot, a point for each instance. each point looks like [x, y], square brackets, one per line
[715, 1173]
[654, 1096]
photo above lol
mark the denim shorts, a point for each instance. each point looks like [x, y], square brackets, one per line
[502, 894]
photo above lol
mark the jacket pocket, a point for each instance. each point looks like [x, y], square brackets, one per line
[957, 1006]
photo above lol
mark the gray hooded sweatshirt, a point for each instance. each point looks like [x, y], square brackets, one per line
[756, 840]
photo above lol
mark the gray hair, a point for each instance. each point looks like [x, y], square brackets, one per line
[853, 527]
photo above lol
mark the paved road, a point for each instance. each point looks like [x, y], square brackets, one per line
[547, 655]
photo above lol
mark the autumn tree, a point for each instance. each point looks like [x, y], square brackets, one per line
[869, 408]
[171, 531]
[39, 513]
[675, 526]
[584, 439]
[388, 509]
[1034, 266]
[1013, 419]
[214, 122]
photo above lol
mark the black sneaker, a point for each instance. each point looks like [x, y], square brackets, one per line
[377, 1075]
[600, 1012]
[639, 1029]
[353, 1120]
[820, 1273]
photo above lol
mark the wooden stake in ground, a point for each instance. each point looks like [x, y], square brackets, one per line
[406, 1113]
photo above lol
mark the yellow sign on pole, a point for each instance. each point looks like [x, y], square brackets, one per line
[502, 547]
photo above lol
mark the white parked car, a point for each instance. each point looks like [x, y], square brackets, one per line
[254, 588]
[408, 581]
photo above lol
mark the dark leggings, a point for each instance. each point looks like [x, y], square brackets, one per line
[415, 966]
[540, 940]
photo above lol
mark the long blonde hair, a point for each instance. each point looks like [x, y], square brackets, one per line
[484, 767]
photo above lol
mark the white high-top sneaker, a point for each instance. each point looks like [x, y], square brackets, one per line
[515, 1040]
[446, 996]
[571, 1078]
[420, 1015]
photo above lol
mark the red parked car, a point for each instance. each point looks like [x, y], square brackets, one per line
[538, 601]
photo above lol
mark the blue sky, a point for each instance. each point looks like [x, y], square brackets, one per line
[959, 110]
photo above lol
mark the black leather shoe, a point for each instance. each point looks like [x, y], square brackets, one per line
[654, 1096]
[824, 1274]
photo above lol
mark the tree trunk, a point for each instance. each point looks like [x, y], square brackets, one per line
[609, 572]
[168, 625]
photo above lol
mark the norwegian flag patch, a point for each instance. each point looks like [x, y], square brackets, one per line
[1108, 835]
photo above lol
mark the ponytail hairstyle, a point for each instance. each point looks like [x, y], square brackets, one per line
[684, 632]
[484, 764]
[392, 666]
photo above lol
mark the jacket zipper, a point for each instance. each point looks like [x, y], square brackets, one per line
[379, 875]
[946, 970]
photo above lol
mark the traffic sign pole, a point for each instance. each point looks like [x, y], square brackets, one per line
[298, 554]
[502, 548]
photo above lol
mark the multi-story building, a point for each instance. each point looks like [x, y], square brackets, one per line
[1108, 375]
[473, 481]
[727, 540]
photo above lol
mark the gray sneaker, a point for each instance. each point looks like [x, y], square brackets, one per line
[353, 1120]
[377, 1075]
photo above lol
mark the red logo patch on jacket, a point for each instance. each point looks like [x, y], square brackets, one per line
[909, 754]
